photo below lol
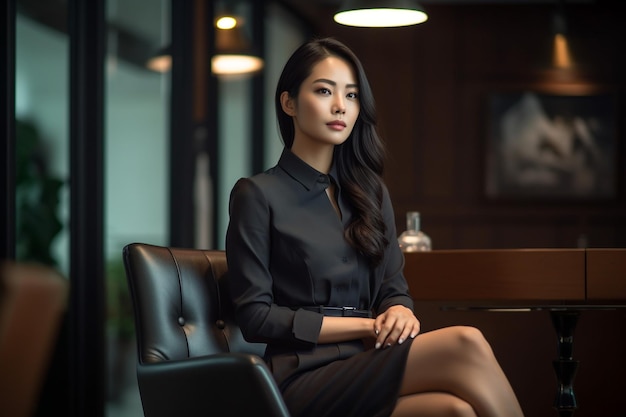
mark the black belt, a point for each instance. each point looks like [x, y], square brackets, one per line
[340, 311]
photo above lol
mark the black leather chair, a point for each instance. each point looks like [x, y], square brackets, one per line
[192, 358]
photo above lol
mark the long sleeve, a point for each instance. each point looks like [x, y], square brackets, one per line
[287, 252]
[248, 253]
[394, 288]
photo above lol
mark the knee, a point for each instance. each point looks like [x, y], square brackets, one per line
[472, 339]
[459, 408]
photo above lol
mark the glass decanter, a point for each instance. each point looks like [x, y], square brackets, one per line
[413, 239]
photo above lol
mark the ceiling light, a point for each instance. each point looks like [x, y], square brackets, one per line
[161, 61]
[235, 64]
[379, 13]
[232, 52]
[226, 22]
[233, 55]
[561, 52]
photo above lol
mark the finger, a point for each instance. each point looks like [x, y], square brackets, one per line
[392, 330]
[402, 330]
[384, 330]
[417, 326]
[393, 336]
[381, 324]
[378, 324]
[406, 333]
[381, 339]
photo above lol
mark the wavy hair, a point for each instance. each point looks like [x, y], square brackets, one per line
[360, 159]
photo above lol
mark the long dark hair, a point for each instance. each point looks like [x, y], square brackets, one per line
[360, 159]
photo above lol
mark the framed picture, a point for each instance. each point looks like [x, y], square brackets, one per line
[551, 146]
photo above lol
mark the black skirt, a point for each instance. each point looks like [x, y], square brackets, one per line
[364, 384]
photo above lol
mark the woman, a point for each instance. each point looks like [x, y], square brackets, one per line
[316, 271]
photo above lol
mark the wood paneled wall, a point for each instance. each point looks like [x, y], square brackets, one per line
[431, 83]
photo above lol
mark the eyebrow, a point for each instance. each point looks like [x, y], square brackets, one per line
[327, 81]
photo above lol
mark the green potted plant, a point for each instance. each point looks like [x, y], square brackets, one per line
[36, 197]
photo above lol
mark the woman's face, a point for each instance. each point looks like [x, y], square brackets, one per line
[327, 105]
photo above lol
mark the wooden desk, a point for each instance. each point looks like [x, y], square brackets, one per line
[606, 275]
[564, 282]
[519, 276]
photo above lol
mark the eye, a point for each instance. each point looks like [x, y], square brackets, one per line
[353, 95]
[324, 91]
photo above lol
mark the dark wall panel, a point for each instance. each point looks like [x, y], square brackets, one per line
[431, 83]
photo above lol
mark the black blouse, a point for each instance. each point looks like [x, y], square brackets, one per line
[286, 249]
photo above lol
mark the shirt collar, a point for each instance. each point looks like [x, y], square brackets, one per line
[303, 172]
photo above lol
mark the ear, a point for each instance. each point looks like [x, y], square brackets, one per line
[287, 103]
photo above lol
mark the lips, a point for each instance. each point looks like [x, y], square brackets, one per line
[336, 124]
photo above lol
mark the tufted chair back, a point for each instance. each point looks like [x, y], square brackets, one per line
[192, 358]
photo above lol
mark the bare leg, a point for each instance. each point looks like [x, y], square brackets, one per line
[432, 404]
[459, 361]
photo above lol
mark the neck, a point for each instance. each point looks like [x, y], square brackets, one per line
[319, 157]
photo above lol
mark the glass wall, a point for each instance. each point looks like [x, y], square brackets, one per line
[136, 160]
[283, 33]
[136, 174]
[42, 139]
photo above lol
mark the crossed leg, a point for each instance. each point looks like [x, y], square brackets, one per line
[453, 372]
[432, 404]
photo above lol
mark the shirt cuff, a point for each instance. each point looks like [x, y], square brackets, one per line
[307, 326]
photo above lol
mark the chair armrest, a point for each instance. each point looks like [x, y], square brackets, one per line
[229, 384]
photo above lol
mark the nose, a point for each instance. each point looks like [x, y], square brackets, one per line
[339, 107]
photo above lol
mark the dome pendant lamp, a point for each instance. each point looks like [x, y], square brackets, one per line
[234, 56]
[161, 61]
[380, 13]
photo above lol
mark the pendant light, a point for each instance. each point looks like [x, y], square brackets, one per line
[380, 13]
[233, 55]
[161, 61]
[561, 51]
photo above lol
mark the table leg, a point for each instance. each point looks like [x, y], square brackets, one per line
[565, 366]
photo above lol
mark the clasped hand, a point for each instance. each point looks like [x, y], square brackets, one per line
[394, 326]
